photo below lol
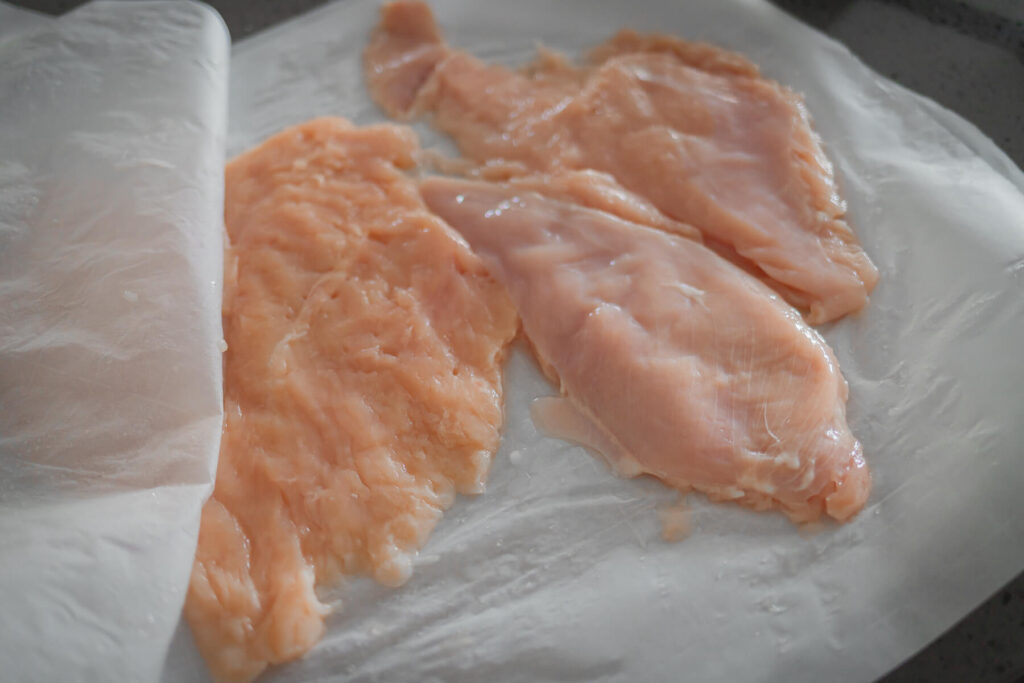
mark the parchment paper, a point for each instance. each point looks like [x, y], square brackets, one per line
[557, 572]
[111, 154]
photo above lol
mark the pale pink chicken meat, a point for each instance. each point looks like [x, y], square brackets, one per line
[673, 361]
[362, 386]
[693, 128]
[600, 191]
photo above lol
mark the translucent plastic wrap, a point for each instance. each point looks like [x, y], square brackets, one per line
[112, 136]
[558, 571]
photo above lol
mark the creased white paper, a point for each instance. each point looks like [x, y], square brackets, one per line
[111, 155]
[558, 572]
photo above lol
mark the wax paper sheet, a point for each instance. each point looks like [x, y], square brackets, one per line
[111, 154]
[557, 572]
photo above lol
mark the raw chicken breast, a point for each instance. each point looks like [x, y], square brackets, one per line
[693, 128]
[674, 362]
[600, 191]
[362, 386]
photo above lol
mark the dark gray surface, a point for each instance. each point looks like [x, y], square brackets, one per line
[969, 57]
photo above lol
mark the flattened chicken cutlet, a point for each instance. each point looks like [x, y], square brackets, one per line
[693, 128]
[362, 386]
[674, 359]
[673, 362]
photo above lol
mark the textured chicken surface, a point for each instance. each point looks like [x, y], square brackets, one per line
[693, 128]
[673, 361]
[362, 386]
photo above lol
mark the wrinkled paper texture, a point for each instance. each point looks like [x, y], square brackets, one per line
[558, 571]
[111, 179]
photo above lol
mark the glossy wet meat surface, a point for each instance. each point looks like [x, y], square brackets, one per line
[694, 129]
[672, 361]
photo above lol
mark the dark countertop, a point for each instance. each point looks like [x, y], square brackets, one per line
[969, 57]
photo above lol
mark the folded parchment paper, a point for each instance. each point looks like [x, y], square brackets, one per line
[111, 154]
